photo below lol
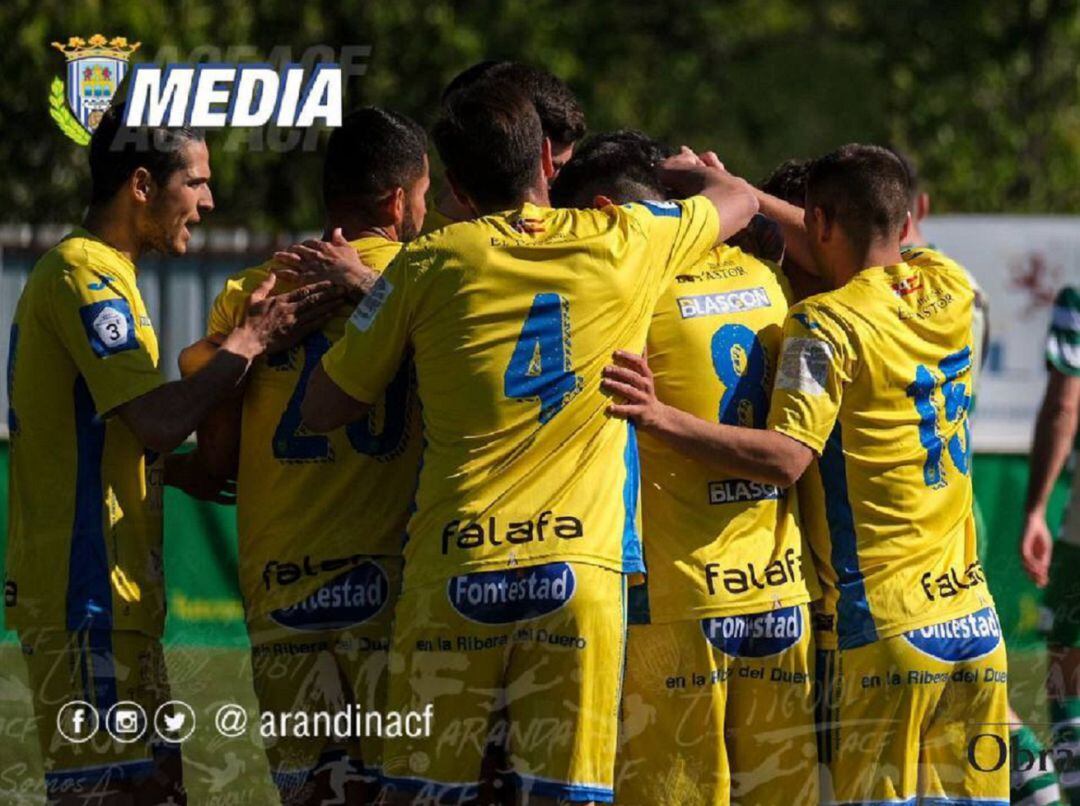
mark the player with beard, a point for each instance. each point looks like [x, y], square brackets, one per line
[93, 424]
[321, 517]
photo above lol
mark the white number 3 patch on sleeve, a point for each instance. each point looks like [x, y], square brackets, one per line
[804, 366]
[109, 326]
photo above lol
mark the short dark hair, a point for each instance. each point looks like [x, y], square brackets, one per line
[864, 188]
[117, 150]
[489, 138]
[788, 181]
[621, 165]
[373, 151]
[912, 174]
[561, 116]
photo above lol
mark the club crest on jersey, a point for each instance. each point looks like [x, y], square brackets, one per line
[502, 597]
[965, 638]
[109, 326]
[755, 636]
[346, 600]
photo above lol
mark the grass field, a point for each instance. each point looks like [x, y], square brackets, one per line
[231, 772]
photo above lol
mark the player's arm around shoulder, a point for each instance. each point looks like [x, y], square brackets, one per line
[359, 366]
[732, 198]
[754, 453]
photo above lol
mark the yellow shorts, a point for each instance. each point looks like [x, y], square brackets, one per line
[526, 662]
[919, 716]
[112, 683]
[327, 653]
[719, 711]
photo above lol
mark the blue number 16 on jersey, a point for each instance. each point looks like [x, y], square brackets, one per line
[957, 401]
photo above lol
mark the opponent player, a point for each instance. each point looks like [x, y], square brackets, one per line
[561, 119]
[526, 514]
[873, 380]
[1051, 564]
[321, 518]
[717, 698]
[92, 423]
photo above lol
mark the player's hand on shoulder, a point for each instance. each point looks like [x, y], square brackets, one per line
[630, 381]
[334, 261]
[273, 323]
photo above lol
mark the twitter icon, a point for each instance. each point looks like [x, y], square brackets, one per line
[174, 721]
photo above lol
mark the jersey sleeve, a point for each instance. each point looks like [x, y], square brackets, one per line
[227, 310]
[1063, 340]
[366, 358]
[95, 320]
[679, 233]
[816, 361]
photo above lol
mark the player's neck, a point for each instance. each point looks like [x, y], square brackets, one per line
[537, 194]
[353, 230]
[110, 226]
[885, 254]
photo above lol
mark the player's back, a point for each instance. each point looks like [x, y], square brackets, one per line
[511, 319]
[717, 544]
[313, 509]
[887, 357]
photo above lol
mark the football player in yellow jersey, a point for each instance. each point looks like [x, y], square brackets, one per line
[526, 518]
[321, 518]
[717, 700]
[873, 380]
[92, 425]
[561, 119]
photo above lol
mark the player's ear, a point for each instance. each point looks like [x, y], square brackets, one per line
[822, 224]
[922, 206]
[601, 201]
[547, 164]
[140, 184]
[393, 206]
[905, 231]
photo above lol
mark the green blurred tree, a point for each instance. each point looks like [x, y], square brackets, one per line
[983, 93]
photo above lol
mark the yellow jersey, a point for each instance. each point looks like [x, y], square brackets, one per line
[84, 537]
[312, 506]
[875, 377]
[715, 544]
[511, 318]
